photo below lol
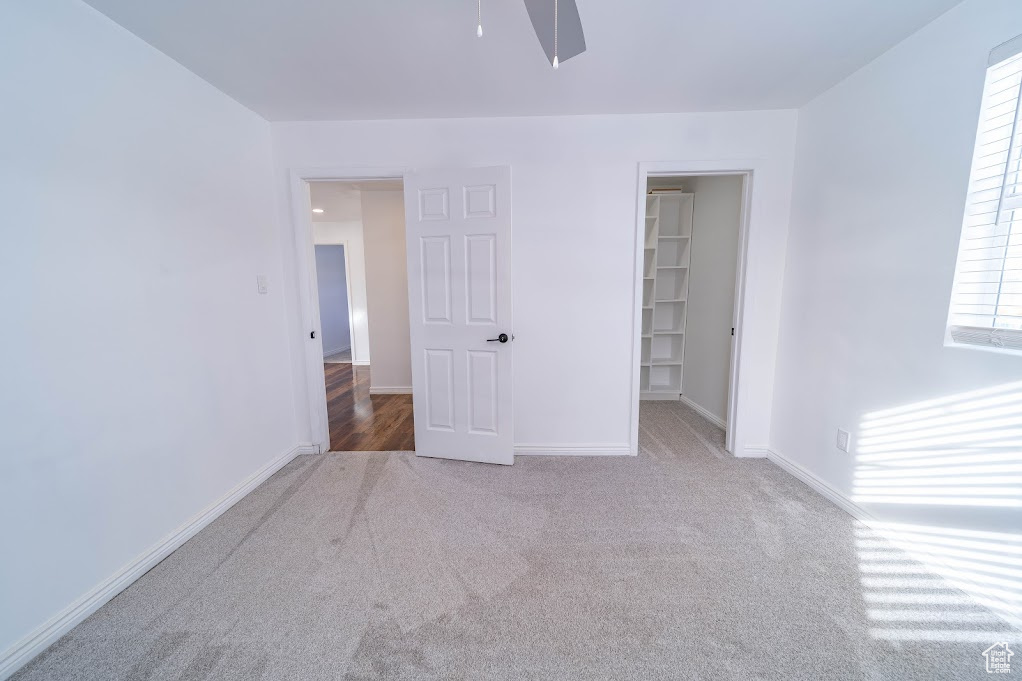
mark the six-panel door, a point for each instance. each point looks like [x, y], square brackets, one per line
[458, 234]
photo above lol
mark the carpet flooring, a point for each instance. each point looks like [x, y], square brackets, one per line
[681, 563]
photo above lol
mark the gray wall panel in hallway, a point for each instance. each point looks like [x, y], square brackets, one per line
[333, 299]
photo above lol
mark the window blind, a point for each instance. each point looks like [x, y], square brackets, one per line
[986, 305]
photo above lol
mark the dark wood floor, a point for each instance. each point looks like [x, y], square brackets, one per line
[360, 422]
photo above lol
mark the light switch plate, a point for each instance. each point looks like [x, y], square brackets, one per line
[261, 284]
[844, 440]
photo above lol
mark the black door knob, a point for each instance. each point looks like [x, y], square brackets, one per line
[502, 338]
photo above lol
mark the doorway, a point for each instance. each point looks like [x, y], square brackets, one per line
[358, 237]
[454, 292]
[689, 284]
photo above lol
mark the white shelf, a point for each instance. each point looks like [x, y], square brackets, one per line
[669, 316]
[668, 231]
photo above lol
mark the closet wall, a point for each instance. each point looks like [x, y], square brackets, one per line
[715, 228]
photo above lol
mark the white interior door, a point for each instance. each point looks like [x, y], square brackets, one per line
[458, 232]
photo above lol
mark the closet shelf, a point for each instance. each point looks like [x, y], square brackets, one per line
[664, 294]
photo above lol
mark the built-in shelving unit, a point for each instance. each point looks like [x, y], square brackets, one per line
[666, 258]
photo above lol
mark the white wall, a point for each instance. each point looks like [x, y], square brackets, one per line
[137, 212]
[383, 225]
[717, 214]
[574, 191]
[881, 175]
[349, 232]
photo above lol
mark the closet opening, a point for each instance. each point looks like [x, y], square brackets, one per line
[693, 229]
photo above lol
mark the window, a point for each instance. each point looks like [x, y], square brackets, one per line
[986, 305]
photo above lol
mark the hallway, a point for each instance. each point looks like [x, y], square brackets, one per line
[360, 422]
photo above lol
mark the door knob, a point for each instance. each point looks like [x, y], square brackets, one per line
[502, 338]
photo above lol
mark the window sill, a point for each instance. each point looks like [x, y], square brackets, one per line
[949, 343]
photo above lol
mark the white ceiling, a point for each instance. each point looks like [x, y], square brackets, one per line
[341, 59]
[342, 201]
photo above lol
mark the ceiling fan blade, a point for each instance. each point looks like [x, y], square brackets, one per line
[570, 39]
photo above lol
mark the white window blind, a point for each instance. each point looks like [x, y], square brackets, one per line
[986, 305]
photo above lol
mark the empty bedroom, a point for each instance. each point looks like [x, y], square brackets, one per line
[533, 339]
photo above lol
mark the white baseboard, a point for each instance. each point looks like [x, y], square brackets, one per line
[18, 655]
[360, 362]
[752, 452]
[659, 397]
[704, 412]
[833, 495]
[327, 353]
[613, 449]
[390, 390]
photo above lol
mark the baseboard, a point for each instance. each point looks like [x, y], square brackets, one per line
[22, 652]
[360, 362]
[704, 412]
[659, 397]
[834, 496]
[327, 353]
[753, 453]
[390, 390]
[613, 449]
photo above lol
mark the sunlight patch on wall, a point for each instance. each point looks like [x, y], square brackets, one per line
[962, 450]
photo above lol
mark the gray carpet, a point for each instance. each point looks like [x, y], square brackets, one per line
[682, 563]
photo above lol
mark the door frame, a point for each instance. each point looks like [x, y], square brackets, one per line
[308, 288]
[747, 169]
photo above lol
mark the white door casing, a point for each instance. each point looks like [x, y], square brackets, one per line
[458, 236]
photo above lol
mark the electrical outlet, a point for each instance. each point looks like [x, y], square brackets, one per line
[844, 440]
[261, 284]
